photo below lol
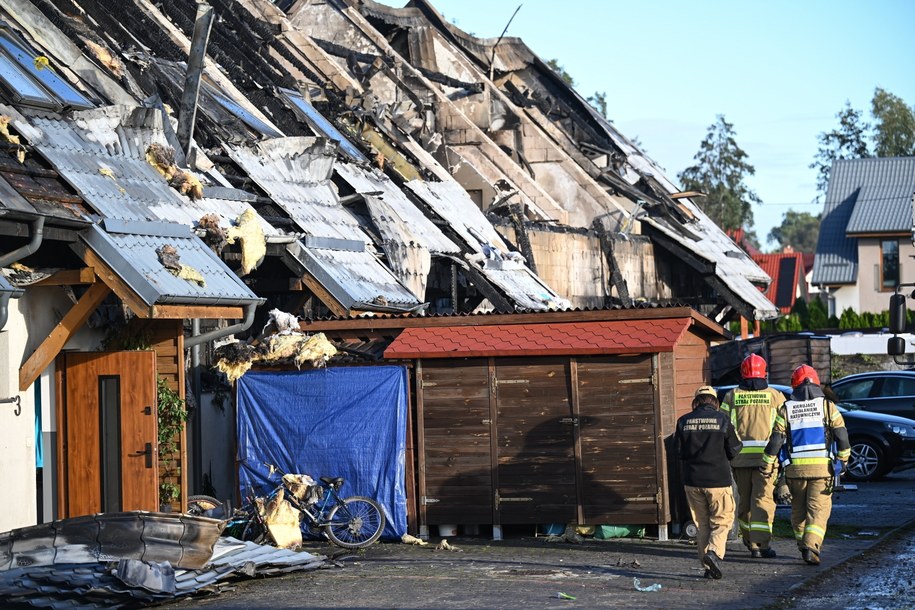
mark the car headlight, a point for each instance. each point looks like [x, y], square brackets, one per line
[901, 429]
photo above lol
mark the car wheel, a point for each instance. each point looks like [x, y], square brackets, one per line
[866, 462]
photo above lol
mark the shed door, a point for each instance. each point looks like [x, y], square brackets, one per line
[619, 457]
[456, 470]
[535, 467]
[109, 451]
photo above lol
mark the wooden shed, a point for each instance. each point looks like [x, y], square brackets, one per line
[554, 417]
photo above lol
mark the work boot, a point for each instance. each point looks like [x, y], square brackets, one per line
[711, 561]
[764, 553]
[811, 557]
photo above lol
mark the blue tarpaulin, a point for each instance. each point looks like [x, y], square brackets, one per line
[345, 422]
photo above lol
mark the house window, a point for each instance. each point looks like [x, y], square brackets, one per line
[320, 125]
[26, 82]
[889, 267]
[240, 113]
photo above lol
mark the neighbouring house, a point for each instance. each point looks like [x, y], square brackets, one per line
[790, 275]
[865, 247]
[323, 171]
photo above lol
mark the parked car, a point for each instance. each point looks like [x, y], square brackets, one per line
[891, 392]
[880, 443]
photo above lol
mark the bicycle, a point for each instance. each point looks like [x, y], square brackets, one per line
[352, 523]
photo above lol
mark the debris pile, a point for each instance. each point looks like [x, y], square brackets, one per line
[131, 559]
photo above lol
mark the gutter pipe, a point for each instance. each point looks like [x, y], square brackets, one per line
[17, 255]
[219, 333]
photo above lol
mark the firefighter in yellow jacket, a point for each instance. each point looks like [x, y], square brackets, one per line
[809, 425]
[752, 407]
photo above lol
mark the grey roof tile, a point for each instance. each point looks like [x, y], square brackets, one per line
[864, 196]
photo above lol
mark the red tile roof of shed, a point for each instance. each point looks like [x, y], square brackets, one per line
[559, 339]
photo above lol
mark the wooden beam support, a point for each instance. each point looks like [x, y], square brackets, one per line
[69, 277]
[51, 346]
[117, 285]
[190, 312]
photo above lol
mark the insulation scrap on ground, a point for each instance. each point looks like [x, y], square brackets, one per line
[282, 520]
[250, 235]
[297, 347]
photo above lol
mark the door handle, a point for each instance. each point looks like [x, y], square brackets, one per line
[148, 452]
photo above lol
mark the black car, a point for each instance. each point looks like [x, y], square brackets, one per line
[891, 392]
[880, 443]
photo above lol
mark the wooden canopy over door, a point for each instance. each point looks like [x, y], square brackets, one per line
[108, 459]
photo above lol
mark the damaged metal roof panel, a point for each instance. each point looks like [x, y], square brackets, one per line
[130, 248]
[450, 201]
[9, 289]
[295, 173]
[395, 207]
[526, 289]
[102, 154]
[356, 279]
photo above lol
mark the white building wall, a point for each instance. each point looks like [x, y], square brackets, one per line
[31, 319]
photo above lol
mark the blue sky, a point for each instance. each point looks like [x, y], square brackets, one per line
[778, 70]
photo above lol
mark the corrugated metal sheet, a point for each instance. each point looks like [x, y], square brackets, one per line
[864, 196]
[117, 582]
[410, 239]
[295, 172]
[7, 288]
[884, 203]
[102, 154]
[396, 207]
[450, 201]
[353, 278]
[131, 251]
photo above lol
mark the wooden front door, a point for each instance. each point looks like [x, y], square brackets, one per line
[109, 456]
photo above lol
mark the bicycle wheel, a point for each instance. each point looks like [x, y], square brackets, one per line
[255, 531]
[200, 505]
[355, 523]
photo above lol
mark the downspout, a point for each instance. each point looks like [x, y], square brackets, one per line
[219, 333]
[16, 255]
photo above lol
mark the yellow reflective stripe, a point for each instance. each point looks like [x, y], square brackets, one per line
[844, 453]
[813, 530]
[799, 533]
[836, 415]
[779, 420]
[743, 525]
[805, 461]
[768, 459]
[760, 527]
[751, 450]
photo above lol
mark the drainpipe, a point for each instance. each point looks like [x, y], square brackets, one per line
[16, 255]
[219, 333]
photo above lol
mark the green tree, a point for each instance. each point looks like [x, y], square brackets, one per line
[847, 141]
[558, 69]
[894, 130]
[599, 101]
[720, 170]
[818, 316]
[799, 230]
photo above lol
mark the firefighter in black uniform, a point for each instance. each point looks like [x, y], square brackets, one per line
[706, 442]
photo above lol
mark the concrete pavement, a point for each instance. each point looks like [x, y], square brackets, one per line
[524, 571]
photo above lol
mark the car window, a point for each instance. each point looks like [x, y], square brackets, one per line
[854, 389]
[898, 386]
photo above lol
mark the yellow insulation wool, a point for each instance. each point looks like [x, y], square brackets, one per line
[250, 235]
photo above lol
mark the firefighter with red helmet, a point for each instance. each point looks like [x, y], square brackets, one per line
[752, 407]
[813, 430]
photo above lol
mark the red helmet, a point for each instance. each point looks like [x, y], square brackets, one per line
[753, 367]
[804, 373]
